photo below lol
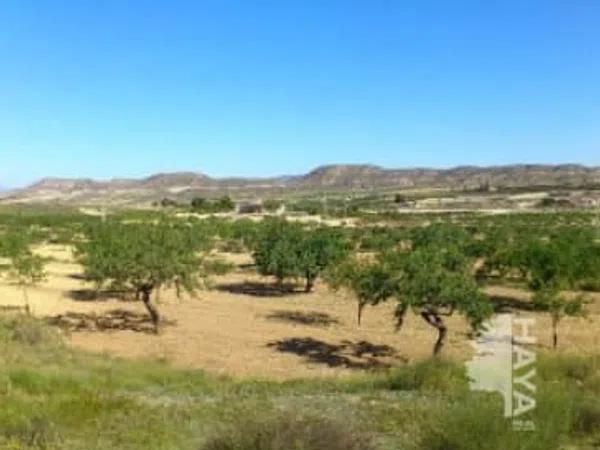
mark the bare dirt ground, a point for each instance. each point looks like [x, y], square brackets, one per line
[242, 327]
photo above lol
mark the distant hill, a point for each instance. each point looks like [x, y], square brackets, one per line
[185, 185]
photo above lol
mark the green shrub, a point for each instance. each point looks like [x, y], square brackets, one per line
[290, 433]
[22, 329]
[586, 419]
[476, 422]
[575, 370]
[430, 375]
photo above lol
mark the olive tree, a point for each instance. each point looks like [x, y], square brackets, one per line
[143, 257]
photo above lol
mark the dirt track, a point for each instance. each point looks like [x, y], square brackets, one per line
[241, 327]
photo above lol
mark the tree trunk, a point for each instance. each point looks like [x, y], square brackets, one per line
[442, 331]
[554, 332]
[26, 300]
[310, 282]
[436, 321]
[151, 309]
[361, 306]
[279, 282]
[400, 313]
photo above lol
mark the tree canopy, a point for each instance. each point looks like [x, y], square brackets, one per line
[144, 257]
[25, 267]
[434, 278]
[287, 250]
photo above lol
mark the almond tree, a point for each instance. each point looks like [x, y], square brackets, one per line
[556, 266]
[319, 250]
[25, 268]
[287, 250]
[370, 282]
[276, 250]
[144, 257]
[434, 279]
[437, 282]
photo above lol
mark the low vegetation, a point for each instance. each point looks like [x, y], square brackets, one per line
[56, 398]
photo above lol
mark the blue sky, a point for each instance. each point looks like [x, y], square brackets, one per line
[112, 88]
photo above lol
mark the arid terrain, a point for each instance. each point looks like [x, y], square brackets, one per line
[242, 327]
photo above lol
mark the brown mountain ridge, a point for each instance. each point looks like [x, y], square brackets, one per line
[185, 185]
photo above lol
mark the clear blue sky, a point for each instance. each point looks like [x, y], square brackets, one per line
[127, 88]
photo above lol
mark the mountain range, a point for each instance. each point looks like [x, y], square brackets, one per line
[186, 185]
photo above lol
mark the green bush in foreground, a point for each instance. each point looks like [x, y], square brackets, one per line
[290, 433]
[56, 398]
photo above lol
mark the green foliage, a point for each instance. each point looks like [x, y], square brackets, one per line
[54, 398]
[432, 375]
[13, 244]
[555, 265]
[287, 250]
[276, 250]
[434, 279]
[399, 199]
[203, 205]
[25, 267]
[558, 305]
[438, 281]
[317, 251]
[143, 257]
[370, 282]
[27, 331]
[549, 262]
[137, 255]
[290, 432]
[198, 203]
[169, 203]
[440, 235]
[271, 205]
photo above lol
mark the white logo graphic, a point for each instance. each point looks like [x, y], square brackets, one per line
[503, 364]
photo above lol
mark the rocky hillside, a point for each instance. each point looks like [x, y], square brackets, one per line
[185, 185]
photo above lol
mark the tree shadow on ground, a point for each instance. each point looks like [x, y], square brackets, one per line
[503, 303]
[115, 320]
[257, 289]
[303, 318]
[352, 355]
[94, 295]
[11, 308]
[78, 276]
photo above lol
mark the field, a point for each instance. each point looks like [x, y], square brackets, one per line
[85, 369]
[242, 327]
